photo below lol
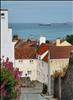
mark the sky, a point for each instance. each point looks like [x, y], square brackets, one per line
[39, 11]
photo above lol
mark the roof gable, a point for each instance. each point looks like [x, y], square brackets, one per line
[56, 52]
[65, 43]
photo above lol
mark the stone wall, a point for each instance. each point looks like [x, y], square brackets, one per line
[67, 83]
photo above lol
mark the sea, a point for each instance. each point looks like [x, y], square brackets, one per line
[35, 30]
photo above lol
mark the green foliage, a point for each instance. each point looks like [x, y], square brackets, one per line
[69, 38]
[7, 77]
[47, 41]
[15, 37]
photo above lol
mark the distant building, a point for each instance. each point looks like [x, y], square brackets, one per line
[59, 56]
[56, 58]
[42, 40]
[7, 46]
[62, 43]
[32, 58]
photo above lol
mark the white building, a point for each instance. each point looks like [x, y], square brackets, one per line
[7, 46]
[58, 56]
[34, 68]
[42, 40]
[26, 61]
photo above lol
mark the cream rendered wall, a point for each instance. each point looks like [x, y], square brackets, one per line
[25, 65]
[65, 43]
[57, 42]
[7, 47]
[37, 67]
[58, 64]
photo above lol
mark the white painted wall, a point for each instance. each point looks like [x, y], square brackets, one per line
[7, 47]
[42, 40]
[38, 68]
[42, 71]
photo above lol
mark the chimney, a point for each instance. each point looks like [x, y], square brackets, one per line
[42, 40]
[58, 42]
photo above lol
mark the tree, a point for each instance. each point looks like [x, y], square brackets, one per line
[47, 41]
[69, 38]
[15, 37]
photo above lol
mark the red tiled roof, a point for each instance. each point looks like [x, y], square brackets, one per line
[56, 52]
[60, 52]
[29, 49]
[23, 43]
[45, 58]
[43, 48]
[25, 53]
[25, 49]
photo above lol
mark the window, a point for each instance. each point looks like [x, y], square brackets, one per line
[29, 72]
[26, 74]
[20, 60]
[31, 61]
[39, 57]
[2, 14]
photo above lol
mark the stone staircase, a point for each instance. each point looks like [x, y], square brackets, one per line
[26, 82]
[36, 86]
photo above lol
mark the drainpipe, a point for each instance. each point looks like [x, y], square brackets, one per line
[49, 76]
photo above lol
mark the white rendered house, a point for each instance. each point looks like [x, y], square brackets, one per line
[7, 46]
[26, 61]
[34, 68]
[59, 56]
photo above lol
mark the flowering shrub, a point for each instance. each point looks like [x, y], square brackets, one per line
[10, 81]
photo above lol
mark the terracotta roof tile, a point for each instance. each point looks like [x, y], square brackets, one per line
[43, 47]
[25, 53]
[25, 49]
[60, 52]
[56, 52]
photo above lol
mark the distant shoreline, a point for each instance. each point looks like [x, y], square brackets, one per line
[35, 30]
[42, 23]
